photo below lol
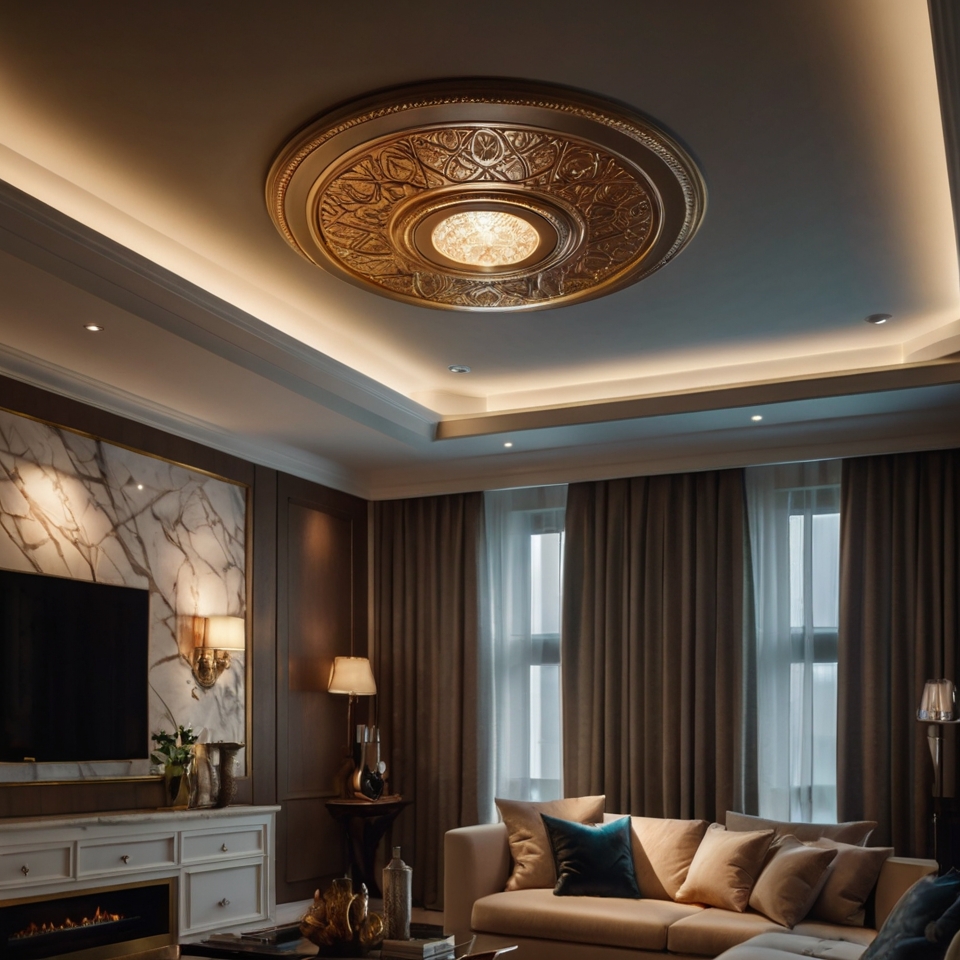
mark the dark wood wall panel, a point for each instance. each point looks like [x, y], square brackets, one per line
[321, 614]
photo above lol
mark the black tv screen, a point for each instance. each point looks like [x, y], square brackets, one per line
[73, 670]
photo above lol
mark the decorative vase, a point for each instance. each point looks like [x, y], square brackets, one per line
[397, 898]
[340, 922]
[228, 773]
[177, 786]
[205, 775]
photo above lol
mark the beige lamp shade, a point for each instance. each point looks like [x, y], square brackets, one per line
[937, 702]
[225, 633]
[352, 675]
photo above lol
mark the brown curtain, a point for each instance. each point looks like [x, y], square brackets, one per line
[427, 616]
[899, 616]
[652, 644]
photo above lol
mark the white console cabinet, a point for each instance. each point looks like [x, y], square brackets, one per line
[223, 860]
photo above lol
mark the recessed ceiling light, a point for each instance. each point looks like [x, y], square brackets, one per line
[458, 368]
[756, 418]
[139, 486]
[93, 327]
[508, 444]
[878, 318]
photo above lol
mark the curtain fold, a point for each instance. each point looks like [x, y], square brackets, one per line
[899, 615]
[426, 629]
[653, 644]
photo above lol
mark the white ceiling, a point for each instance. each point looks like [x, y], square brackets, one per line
[817, 128]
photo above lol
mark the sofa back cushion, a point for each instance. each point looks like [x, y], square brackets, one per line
[791, 880]
[853, 875]
[725, 868]
[662, 852]
[853, 831]
[529, 847]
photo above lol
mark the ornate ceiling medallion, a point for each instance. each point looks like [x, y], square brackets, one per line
[486, 195]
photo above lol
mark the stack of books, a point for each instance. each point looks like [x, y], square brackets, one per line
[433, 948]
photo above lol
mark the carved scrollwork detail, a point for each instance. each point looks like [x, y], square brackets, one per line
[358, 202]
[360, 190]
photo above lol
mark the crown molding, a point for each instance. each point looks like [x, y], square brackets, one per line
[40, 235]
[49, 376]
[849, 383]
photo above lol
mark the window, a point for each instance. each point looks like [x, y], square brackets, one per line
[521, 576]
[794, 518]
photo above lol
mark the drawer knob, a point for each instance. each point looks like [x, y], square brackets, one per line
[223, 847]
[125, 858]
[24, 869]
[223, 903]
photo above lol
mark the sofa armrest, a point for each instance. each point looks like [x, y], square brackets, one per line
[476, 862]
[897, 875]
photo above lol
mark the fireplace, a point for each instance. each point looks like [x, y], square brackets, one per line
[90, 924]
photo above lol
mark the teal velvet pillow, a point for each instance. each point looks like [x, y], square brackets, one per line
[592, 861]
[922, 923]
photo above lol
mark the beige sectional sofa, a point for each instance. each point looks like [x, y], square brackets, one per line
[547, 927]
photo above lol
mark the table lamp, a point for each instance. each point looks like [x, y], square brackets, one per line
[352, 676]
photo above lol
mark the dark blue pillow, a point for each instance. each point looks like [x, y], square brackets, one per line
[592, 861]
[903, 934]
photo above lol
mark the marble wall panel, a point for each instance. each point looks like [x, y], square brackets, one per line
[77, 507]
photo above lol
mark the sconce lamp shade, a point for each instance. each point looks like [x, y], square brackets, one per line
[937, 705]
[225, 633]
[352, 675]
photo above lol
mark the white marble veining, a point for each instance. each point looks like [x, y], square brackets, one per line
[82, 508]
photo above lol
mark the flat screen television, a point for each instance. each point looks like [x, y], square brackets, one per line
[73, 670]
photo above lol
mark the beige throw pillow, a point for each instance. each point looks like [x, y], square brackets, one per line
[852, 877]
[853, 831]
[792, 877]
[725, 868]
[662, 853]
[533, 864]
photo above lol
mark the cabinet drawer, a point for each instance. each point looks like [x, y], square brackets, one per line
[125, 856]
[219, 844]
[40, 864]
[221, 896]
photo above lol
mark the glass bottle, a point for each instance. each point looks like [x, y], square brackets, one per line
[397, 898]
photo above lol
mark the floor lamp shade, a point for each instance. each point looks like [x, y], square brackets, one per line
[937, 704]
[352, 675]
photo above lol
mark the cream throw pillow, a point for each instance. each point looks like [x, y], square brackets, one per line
[792, 877]
[533, 864]
[853, 875]
[662, 852]
[725, 868]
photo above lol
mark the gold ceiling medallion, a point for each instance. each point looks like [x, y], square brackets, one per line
[486, 195]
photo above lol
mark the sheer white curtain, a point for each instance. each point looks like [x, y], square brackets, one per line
[520, 645]
[794, 519]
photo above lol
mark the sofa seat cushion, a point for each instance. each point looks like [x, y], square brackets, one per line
[782, 946]
[714, 930]
[603, 921]
[821, 930]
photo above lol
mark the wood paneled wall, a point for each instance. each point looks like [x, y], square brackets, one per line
[307, 596]
[321, 614]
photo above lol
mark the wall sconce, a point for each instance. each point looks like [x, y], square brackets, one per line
[218, 637]
[352, 676]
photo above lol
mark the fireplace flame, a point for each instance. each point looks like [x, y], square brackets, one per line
[99, 916]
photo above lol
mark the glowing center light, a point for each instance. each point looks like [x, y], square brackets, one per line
[485, 238]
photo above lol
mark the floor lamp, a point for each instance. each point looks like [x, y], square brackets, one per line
[937, 707]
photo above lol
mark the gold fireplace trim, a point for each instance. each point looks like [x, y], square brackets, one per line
[128, 947]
